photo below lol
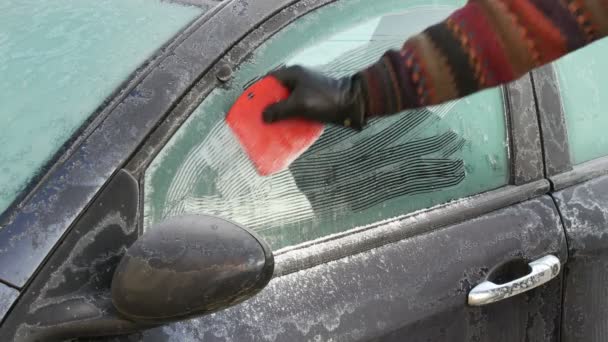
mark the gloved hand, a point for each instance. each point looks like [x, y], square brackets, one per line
[319, 98]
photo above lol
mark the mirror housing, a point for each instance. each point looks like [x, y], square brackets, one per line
[189, 266]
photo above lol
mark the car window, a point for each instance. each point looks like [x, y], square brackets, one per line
[59, 60]
[397, 165]
[582, 82]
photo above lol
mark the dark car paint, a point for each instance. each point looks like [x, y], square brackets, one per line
[580, 174]
[79, 274]
[556, 147]
[404, 289]
[525, 144]
[71, 295]
[188, 266]
[581, 196]
[584, 209]
[352, 242]
[387, 293]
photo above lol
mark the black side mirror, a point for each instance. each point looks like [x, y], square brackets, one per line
[105, 280]
[184, 267]
[188, 266]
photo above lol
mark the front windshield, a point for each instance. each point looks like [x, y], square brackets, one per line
[59, 61]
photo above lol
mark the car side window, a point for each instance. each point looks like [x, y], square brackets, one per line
[400, 164]
[582, 83]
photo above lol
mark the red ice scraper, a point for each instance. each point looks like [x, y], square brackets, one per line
[271, 147]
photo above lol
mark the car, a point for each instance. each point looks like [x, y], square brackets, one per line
[130, 212]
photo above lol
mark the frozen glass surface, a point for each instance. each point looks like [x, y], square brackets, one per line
[397, 165]
[59, 60]
[582, 80]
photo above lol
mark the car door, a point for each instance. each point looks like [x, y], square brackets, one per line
[380, 250]
[392, 255]
[572, 105]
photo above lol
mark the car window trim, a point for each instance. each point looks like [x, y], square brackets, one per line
[330, 248]
[527, 164]
[552, 118]
[580, 173]
[31, 224]
[523, 134]
[561, 171]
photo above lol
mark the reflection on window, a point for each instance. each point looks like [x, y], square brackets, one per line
[397, 165]
[582, 81]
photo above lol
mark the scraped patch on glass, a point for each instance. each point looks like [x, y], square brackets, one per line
[346, 172]
[399, 164]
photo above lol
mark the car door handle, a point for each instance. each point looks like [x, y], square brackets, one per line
[543, 270]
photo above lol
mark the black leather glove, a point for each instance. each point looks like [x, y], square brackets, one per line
[319, 98]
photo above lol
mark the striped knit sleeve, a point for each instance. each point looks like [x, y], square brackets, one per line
[482, 45]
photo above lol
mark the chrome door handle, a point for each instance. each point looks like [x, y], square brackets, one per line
[543, 270]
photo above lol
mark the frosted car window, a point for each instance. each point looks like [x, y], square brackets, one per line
[397, 165]
[582, 80]
[59, 60]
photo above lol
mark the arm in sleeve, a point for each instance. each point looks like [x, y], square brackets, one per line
[485, 44]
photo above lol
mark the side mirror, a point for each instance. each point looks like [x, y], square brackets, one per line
[188, 266]
[184, 267]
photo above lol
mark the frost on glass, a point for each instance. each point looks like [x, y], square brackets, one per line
[395, 166]
[59, 60]
[582, 80]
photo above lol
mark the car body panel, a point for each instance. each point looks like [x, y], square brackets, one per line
[414, 288]
[552, 122]
[383, 304]
[80, 272]
[351, 242]
[525, 143]
[581, 196]
[584, 209]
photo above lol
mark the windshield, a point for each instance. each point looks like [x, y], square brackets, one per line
[59, 61]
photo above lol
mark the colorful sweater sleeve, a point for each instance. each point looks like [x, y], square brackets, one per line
[482, 45]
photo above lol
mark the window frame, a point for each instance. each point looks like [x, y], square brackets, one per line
[560, 169]
[524, 155]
